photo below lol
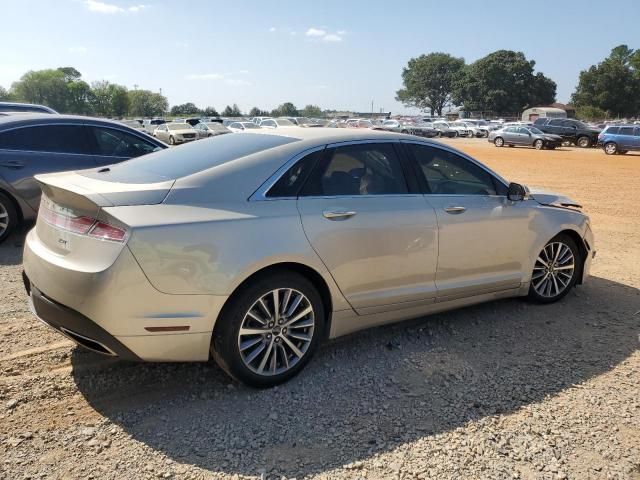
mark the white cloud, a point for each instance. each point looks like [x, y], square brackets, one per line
[204, 76]
[315, 32]
[332, 37]
[272, 29]
[341, 32]
[109, 8]
[78, 49]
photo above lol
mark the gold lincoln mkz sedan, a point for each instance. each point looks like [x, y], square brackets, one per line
[255, 247]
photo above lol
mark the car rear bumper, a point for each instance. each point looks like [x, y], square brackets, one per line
[118, 308]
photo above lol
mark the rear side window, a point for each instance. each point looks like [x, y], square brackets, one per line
[291, 182]
[613, 130]
[46, 138]
[116, 143]
[446, 173]
[626, 130]
[353, 170]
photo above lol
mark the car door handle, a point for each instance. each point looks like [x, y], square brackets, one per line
[12, 164]
[338, 214]
[455, 210]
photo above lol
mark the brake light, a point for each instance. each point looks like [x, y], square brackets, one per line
[82, 225]
[106, 231]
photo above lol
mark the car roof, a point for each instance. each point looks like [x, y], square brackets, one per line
[11, 121]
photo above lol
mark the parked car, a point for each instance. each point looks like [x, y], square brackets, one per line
[619, 139]
[174, 133]
[524, 136]
[409, 128]
[358, 123]
[150, 124]
[276, 123]
[31, 144]
[570, 130]
[24, 107]
[447, 129]
[304, 122]
[472, 129]
[210, 129]
[255, 248]
[257, 120]
[135, 124]
[242, 126]
[483, 126]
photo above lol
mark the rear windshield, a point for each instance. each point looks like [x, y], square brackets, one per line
[185, 160]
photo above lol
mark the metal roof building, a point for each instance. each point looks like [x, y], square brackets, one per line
[531, 114]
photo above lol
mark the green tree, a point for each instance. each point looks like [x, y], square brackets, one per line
[257, 112]
[5, 95]
[210, 112]
[46, 87]
[185, 109]
[311, 111]
[612, 85]
[587, 112]
[79, 97]
[286, 109]
[119, 100]
[429, 81]
[231, 111]
[145, 103]
[503, 82]
[109, 99]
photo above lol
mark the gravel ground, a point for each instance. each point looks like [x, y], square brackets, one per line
[504, 390]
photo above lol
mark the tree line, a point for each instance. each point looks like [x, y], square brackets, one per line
[64, 90]
[504, 82]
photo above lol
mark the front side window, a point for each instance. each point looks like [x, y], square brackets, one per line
[46, 138]
[291, 182]
[446, 173]
[363, 169]
[613, 130]
[115, 143]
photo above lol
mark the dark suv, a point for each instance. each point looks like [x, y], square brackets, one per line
[42, 143]
[570, 130]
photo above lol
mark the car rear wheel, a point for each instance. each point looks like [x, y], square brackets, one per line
[556, 270]
[538, 144]
[498, 142]
[270, 330]
[8, 217]
[610, 148]
[583, 142]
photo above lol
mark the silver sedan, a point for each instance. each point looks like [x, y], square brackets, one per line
[253, 249]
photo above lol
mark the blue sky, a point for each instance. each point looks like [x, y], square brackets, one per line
[336, 54]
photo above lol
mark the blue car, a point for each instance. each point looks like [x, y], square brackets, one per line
[619, 139]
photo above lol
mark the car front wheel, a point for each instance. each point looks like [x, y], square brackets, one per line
[538, 144]
[270, 330]
[498, 142]
[556, 270]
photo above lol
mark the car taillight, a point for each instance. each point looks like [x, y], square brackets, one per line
[106, 231]
[82, 225]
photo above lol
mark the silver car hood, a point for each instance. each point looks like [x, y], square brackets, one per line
[545, 197]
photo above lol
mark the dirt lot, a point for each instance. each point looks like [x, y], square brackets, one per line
[500, 391]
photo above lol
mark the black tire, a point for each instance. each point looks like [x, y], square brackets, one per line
[565, 239]
[583, 142]
[538, 144]
[224, 344]
[172, 141]
[8, 217]
[610, 148]
[498, 142]
[439, 134]
[455, 134]
[404, 131]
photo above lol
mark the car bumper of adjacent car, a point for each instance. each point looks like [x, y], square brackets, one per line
[117, 311]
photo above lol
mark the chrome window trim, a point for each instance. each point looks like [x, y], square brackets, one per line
[463, 155]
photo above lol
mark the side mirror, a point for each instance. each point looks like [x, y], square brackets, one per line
[516, 192]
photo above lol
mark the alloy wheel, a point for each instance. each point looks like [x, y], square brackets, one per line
[4, 219]
[610, 148]
[498, 142]
[584, 142]
[276, 332]
[554, 270]
[538, 144]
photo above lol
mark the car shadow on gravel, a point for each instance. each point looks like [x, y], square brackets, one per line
[374, 391]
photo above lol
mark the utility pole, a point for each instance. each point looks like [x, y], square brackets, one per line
[371, 109]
